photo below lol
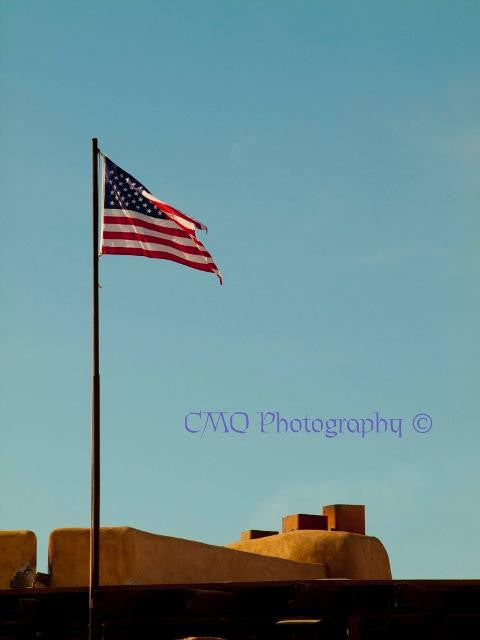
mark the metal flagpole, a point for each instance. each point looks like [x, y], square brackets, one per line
[93, 633]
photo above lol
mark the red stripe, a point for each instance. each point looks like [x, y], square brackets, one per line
[131, 251]
[136, 222]
[141, 237]
[167, 208]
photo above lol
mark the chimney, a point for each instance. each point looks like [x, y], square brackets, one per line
[253, 534]
[345, 517]
[300, 521]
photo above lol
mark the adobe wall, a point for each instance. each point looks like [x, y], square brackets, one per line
[130, 556]
[18, 550]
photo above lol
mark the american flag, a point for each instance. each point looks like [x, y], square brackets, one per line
[134, 222]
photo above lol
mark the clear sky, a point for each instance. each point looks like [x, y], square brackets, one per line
[333, 150]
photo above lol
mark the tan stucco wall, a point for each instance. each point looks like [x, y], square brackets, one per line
[346, 555]
[18, 549]
[130, 556]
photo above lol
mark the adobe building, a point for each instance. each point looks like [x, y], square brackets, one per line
[318, 577]
[330, 545]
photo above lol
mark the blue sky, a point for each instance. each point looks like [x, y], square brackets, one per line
[333, 150]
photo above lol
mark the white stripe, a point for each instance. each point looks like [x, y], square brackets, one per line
[186, 220]
[188, 242]
[148, 195]
[174, 216]
[128, 213]
[147, 246]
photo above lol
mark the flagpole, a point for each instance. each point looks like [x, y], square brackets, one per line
[93, 633]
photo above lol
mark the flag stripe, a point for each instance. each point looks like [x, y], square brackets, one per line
[156, 233]
[134, 218]
[138, 251]
[189, 222]
[154, 248]
[162, 241]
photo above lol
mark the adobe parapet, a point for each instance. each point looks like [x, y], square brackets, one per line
[336, 539]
